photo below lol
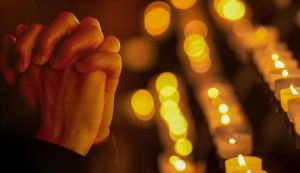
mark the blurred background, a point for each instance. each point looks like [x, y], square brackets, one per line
[147, 53]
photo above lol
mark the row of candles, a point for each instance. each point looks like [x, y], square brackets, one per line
[227, 123]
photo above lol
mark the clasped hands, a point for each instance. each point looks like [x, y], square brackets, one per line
[68, 71]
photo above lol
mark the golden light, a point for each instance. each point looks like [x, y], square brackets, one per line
[194, 45]
[285, 73]
[279, 64]
[275, 56]
[166, 79]
[167, 91]
[242, 27]
[176, 137]
[293, 90]
[173, 159]
[261, 33]
[142, 104]
[139, 60]
[223, 108]
[157, 18]
[168, 113]
[195, 27]
[183, 4]
[177, 125]
[248, 171]
[201, 67]
[225, 119]
[232, 141]
[241, 160]
[183, 147]
[174, 96]
[213, 92]
[180, 165]
[233, 9]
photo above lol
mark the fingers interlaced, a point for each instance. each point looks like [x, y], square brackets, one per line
[88, 37]
[64, 25]
[25, 45]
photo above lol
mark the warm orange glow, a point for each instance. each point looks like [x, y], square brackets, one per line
[275, 56]
[183, 147]
[157, 18]
[168, 113]
[285, 73]
[167, 91]
[261, 33]
[223, 108]
[201, 67]
[174, 96]
[213, 92]
[293, 90]
[232, 141]
[279, 64]
[241, 160]
[248, 171]
[225, 119]
[183, 4]
[194, 45]
[242, 28]
[195, 27]
[178, 163]
[234, 9]
[142, 104]
[166, 79]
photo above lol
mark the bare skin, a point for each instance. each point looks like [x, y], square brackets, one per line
[69, 72]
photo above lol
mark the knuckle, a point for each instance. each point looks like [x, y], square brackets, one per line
[45, 41]
[20, 46]
[90, 21]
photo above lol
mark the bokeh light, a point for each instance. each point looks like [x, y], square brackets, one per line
[194, 45]
[213, 92]
[157, 18]
[230, 9]
[183, 4]
[142, 104]
[195, 27]
[183, 147]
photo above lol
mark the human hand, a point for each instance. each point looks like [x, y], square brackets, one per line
[76, 105]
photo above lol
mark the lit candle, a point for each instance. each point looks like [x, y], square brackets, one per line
[251, 171]
[288, 93]
[241, 163]
[284, 83]
[233, 140]
[279, 74]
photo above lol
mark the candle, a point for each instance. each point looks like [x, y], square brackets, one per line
[288, 93]
[233, 140]
[278, 64]
[284, 83]
[294, 108]
[279, 74]
[241, 163]
[251, 171]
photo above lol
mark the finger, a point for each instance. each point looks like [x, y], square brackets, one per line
[65, 24]
[20, 30]
[87, 38]
[105, 61]
[25, 45]
[110, 44]
[7, 45]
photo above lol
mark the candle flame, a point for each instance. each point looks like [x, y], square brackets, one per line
[293, 90]
[241, 160]
[232, 141]
[275, 56]
[225, 119]
[285, 73]
[279, 64]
